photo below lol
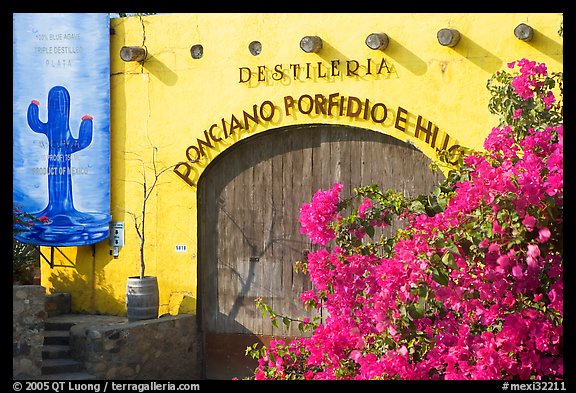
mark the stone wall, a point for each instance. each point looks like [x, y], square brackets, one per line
[58, 303]
[163, 348]
[28, 313]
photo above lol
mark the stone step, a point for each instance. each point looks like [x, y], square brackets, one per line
[52, 351]
[81, 375]
[60, 366]
[57, 362]
[57, 325]
[56, 337]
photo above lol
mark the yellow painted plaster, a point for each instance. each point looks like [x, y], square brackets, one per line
[171, 99]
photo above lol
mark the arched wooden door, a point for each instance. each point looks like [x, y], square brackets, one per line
[249, 236]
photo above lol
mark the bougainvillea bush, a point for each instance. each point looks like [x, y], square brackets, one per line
[25, 257]
[470, 288]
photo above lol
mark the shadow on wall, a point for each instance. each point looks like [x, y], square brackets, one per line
[85, 291]
[478, 55]
[545, 44]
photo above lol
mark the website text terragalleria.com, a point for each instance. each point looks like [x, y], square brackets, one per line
[104, 386]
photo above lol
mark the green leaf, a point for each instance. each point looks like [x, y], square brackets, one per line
[286, 321]
[440, 277]
[417, 206]
[442, 202]
[448, 259]
[416, 310]
[369, 231]
[452, 248]
[402, 309]
[423, 292]
[439, 243]
[434, 259]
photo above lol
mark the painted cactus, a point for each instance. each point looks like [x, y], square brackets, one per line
[61, 146]
[65, 225]
[61, 161]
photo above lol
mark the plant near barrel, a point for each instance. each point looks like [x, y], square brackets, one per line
[142, 293]
[471, 288]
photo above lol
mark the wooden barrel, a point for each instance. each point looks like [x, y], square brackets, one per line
[142, 298]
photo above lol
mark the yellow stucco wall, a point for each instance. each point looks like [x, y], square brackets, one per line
[170, 100]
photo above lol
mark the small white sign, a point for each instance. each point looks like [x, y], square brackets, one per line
[181, 247]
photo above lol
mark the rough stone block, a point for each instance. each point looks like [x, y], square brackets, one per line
[58, 303]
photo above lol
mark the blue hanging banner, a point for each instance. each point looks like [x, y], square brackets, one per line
[61, 126]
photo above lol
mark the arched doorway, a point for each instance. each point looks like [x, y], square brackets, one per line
[249, 236]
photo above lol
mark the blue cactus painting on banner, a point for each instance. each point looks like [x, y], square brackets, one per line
[61, 126]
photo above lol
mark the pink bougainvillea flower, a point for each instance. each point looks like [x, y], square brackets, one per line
[533, 251]
[366, 205]
[543, 235]
[549, 99]
[529, 222]
[355, 355]
[316, 216]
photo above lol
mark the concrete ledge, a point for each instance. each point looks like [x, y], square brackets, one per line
[163, 348]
